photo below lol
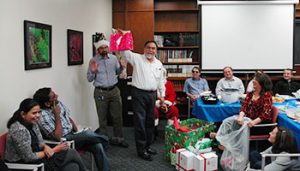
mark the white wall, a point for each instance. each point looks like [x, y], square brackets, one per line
[69, 82]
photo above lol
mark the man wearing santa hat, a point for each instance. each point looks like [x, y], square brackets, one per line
[103, 71]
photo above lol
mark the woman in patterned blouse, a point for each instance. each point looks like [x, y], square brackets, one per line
[258, 103]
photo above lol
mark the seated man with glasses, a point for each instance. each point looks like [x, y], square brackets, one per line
[196, 85]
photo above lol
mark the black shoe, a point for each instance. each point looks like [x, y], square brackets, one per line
[145, 155]
[124, 144]
[151, 151]
[115, 142]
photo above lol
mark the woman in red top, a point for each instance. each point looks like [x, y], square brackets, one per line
[258, 103]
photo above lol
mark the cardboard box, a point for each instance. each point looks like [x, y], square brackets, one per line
[184, 160]
[206, 162]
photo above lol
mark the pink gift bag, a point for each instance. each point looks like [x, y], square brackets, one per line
[119, 42]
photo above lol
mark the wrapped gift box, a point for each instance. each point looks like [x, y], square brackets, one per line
[184, 160]
[206, 162]
[177, 139]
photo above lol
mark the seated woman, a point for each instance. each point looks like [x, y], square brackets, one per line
[283, 142]
[258, 103]
[25, 143]
[250, 84]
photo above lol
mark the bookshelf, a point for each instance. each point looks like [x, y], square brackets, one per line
[177, 33]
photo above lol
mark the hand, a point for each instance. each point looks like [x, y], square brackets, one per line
[251, 124]
[164, 108]
[120, 31]
[93, 66]
[162, 100]
[123, 62]
[48, 151]
[193, 98]
[240, 120]
[61, 147]
[56, 109]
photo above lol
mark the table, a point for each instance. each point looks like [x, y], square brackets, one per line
[292, 125]
[220, 111]
[214, 112]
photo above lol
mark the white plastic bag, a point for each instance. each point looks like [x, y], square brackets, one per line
[235, 139]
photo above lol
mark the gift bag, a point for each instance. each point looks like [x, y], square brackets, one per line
[235, 139]
[119, 42]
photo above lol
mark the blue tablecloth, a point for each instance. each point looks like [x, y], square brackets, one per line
[215, 112]
[218, 112]
[292, 125]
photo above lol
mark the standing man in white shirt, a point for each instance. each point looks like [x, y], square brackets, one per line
[147, 78]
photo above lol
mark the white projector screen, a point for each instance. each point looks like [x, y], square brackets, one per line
[247, 36]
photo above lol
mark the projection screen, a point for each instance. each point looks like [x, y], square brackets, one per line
[247, 35]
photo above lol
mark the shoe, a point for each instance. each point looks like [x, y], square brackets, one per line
[115, 142]
[145, 155]
[151, 151]
[123, 144]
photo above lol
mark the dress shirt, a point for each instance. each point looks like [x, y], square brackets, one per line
[107, 73]
[195, 87]
[146, 75]
[234, 84]
[47, 120]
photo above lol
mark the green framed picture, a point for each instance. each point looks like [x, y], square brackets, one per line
[37, 45]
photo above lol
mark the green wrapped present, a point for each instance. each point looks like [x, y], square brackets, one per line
[175, 139]
[203, 144]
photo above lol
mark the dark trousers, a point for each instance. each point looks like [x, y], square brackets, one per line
[255, 160]
[143, 103]
[94, 143]
[109, 102]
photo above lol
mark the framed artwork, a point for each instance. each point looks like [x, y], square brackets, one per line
[37, 45]
[75, 47]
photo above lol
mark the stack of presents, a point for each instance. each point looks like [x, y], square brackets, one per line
[187, 148]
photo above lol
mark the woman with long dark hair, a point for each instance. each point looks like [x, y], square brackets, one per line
[283, 142]
[25, 143]
[258, 103]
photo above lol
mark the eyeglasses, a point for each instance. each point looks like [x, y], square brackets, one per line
[195, 71]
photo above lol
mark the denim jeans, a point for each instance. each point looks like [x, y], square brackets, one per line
[94, 143]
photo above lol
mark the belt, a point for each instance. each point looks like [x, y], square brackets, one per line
[148, 91]
[106, 88]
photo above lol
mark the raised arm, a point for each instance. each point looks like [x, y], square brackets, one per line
[92, 70]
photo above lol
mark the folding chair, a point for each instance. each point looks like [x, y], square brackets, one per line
[262, 126]
[72, 145]
[51, 142]
[263, 163]
[17, 166]
[189, 107]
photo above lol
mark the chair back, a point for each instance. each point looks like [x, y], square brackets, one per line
[2, 144]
